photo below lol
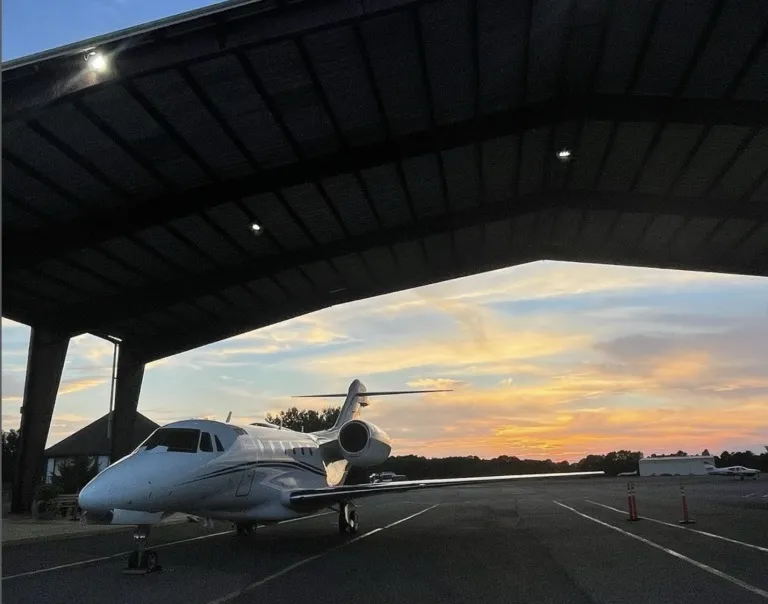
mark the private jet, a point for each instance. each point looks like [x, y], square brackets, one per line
[733, 471]
[251, 475]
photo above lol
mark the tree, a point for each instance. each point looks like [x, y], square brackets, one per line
[705, 452]
[611, 463]
[74, 474]
[10, 452]
[307, 420]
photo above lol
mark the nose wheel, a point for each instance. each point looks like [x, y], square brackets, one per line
[141, 561]
[348, 522]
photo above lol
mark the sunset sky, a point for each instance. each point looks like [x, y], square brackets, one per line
[547, 360]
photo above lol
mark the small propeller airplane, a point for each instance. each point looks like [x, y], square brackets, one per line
[251, 475]
[733, 471]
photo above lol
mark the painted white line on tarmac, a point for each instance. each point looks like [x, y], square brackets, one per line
[295, 565]
[154, 547]
[686, 528]
[713, 571]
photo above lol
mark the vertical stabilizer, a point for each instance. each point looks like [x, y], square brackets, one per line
[351, 408]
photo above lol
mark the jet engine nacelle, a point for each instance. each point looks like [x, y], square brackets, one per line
[363, 444]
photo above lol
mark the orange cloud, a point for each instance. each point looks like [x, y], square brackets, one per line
[73, 386]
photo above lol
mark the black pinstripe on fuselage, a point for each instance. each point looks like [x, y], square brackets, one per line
[265, 463]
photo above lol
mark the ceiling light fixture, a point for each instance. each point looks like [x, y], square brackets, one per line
[256, 228]
[96, 61]
[564, 154]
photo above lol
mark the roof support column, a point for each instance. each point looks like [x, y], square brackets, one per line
[130, 374]
[45, 363]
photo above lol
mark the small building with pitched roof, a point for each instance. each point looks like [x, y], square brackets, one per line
[93, 442]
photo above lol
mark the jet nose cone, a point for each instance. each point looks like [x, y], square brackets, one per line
[129, 484]
[94, 497]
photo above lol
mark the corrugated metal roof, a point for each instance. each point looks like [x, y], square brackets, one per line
[380, 146]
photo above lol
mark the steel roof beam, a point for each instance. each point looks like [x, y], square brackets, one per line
[104, 225]
[104, 312]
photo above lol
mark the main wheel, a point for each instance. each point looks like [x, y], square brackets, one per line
[243, 529]
[348, 524]
[352, 521]
[151, 561]
[133, 559]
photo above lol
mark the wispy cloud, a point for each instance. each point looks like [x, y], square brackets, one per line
[547, 280]
[71, 387]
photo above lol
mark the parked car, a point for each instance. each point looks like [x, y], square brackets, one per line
[387, 477]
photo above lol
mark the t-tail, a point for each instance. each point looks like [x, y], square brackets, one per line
[355, 397]
[351, 440]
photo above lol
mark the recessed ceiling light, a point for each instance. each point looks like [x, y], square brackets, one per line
[256, 228]
[564, 154]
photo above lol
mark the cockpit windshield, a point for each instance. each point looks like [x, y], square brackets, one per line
[178, 440]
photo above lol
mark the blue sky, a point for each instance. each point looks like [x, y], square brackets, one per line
[31, 27]
[546, 359]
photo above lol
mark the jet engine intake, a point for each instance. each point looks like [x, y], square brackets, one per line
[364, 444]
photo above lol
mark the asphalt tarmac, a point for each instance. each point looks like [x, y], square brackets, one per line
[542, 541]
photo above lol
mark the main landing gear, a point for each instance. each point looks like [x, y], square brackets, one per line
[348, 518]
[142, 561]
[245, 528]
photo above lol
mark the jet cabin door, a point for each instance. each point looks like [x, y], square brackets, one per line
[246, 478]
[246, 481]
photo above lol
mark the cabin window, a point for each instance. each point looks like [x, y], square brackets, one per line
[178, 440]
[205, 443]
[310, 451]
[219, 446]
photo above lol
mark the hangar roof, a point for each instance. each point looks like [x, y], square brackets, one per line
[379, 145]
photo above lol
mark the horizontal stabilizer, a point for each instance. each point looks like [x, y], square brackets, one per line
[356, 398]
[383, 393]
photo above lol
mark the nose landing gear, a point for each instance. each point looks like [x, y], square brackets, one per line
[142, 561]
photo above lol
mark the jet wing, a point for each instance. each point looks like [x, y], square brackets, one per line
[329, 495]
